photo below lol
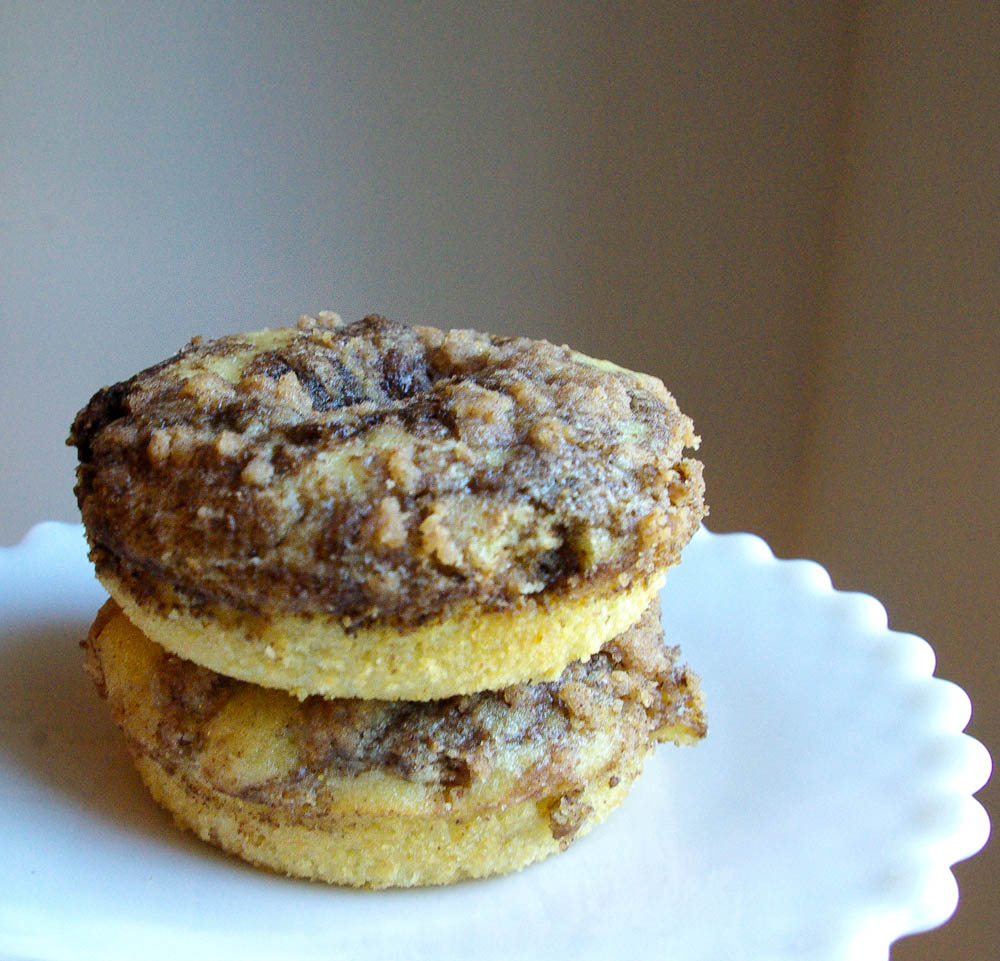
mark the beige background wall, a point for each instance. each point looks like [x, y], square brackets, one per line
[902, 481]
[788, 211]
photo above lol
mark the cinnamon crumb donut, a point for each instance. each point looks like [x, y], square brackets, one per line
[376, 510]
[378, 793]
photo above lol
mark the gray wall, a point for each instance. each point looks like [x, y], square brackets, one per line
[649, 186]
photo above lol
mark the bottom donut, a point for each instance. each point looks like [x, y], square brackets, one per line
[375, 793]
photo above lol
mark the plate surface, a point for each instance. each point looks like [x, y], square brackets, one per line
[818, 821]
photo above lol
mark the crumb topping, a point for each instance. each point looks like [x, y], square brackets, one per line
[632, 691]
[317, 468]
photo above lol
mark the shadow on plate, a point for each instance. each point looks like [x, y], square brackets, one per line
[57, 732]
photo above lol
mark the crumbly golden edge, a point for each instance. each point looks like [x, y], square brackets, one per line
[387, 851]
[318, 759]
[330, 468]
[469, 651]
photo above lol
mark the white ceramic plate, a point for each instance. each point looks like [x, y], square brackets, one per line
[817, 822]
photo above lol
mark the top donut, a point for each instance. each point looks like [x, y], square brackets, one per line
[383, 474]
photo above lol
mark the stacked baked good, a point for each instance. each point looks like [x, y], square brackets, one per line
[385, 599]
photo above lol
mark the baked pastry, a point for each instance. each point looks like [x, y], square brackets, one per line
[375, 510]
[376, 793]
[385, 598]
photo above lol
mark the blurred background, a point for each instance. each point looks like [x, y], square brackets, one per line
[788, 211]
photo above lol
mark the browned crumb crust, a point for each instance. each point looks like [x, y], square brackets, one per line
[382, 473]
[631, 693]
